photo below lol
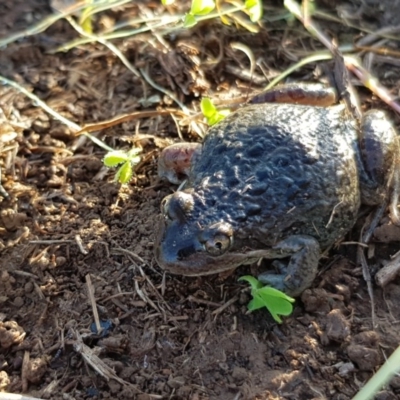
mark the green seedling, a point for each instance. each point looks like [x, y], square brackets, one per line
[276, 302]
[85, 20]
[254, 8]
[126, 160]
[201, 8]
[210, 111]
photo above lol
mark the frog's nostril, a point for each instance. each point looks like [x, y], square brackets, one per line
[186, 252]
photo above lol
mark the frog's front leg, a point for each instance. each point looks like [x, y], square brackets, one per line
[175, 161]
[310, 94]
[300, 272]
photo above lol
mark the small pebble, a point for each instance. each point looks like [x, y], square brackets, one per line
[60, 261]
[28, 287]
[18, 302]
[177, 382]
[239, 374]
[337, 326]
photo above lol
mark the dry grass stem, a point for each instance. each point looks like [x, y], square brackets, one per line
[93, 360]
[98, 126]
[92, 299]
[79, 242]
[222, 308]
[389, 272]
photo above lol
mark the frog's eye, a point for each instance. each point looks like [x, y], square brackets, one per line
[217, 238]
[218, 245]
[177, 206]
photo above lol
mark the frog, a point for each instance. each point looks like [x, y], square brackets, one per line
[281, 179]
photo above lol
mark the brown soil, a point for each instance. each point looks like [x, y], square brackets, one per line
[67, 227]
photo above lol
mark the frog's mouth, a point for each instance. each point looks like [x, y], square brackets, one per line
[179, 251]
[200, 263]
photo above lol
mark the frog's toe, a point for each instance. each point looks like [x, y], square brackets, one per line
[304, 253]
[274, 280]
[280, 266]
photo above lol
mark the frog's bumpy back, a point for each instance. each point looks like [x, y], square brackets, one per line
[273, 170]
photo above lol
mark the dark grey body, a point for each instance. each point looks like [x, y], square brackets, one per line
[276, 170]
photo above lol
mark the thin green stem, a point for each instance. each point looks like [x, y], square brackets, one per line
[50, 20]
[315, 57]
[162, 90]
[165, 21]
[37, 102]
[384, 374]
[104, 42]
[40, 103]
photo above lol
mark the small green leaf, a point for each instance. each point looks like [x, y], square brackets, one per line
[124, 173]
[277, 302]
[253, 282]
[311, 7]
[189, 21]
[114, 158]
[270, 306]
[85, 20]
[207, 107]
[218, 116]
[167, 2]
[272, 292]
[255, 9]
[255, 304]
[202, 7]
[128, 159]
[210, 111]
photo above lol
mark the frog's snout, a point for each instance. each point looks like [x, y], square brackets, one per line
[175, 245]
[185, 247]
[175, 240]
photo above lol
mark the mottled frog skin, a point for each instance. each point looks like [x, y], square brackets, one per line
[275, 181]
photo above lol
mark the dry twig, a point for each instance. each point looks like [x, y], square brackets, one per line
[97, 364]
[92, 299]
[388, 272]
